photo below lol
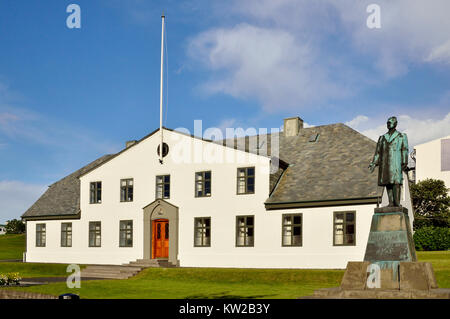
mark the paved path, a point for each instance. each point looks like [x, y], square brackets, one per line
[48, 280]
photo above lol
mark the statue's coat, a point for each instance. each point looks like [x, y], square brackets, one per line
[391, 153]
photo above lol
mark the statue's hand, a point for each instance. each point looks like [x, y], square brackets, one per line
[372, 167]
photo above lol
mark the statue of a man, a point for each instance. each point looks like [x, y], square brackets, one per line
[391, 157]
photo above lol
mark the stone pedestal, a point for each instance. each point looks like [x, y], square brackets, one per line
[390, 242]
[390, 268]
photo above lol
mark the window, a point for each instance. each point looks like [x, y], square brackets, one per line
[246, 180]
[66, 234]
[95, 234]
[126, 233]
[445, 155]
[40, 235]
[96, 192]
[344, 229]
[314, 138]
[163, 186]
[202, 232]
[203, 184]
[244, 231]
[126, 190]
[292, 230]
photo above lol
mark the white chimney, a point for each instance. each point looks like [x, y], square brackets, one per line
[292, 126]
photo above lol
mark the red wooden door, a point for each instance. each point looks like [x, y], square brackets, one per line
[160, 238]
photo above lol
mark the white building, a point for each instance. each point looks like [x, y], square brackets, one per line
[210, 205]
[2, 229]
[433, 160]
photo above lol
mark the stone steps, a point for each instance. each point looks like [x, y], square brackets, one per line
[104, 275]
[147, 263]
[123, 271]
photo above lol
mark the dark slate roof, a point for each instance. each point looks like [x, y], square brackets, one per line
[62, 199]
[335, 167]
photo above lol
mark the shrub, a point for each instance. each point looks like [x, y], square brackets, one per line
[9, 278]
[3, 280]
[15, 226]
[431, 202]
[432, 238]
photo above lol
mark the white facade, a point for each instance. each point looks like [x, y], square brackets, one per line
[428, 161]
[2, 229]
[140, 162]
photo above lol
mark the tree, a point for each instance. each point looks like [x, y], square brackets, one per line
[431, 203]
[15, 226]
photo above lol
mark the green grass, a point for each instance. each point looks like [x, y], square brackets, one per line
[179, 283]
[12, 246]
[441, 265]
[27, 270]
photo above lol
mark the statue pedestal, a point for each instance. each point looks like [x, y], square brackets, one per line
[390, 242]
[390, 268]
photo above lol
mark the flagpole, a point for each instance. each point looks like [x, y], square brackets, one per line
[161, 92]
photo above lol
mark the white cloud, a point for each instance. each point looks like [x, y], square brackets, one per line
[22, 124]
[440, 53]
[300, 53]
[65, 145]
[16, 197]
[418, 129]
[412, 31]
[226, 123]
[357, 121]
[266, 64]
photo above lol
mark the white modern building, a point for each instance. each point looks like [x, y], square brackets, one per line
[2, 229]
[307, 204]
[433, 160]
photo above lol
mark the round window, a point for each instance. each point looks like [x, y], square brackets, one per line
[165, 149]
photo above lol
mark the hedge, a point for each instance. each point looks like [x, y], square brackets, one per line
[432, 238]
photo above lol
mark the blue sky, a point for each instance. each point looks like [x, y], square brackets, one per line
[68, 96]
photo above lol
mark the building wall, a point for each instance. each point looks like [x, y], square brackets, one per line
[428, 162]
[317, 250]
[141, 163]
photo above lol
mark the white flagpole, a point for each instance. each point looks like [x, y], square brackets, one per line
[161, 92]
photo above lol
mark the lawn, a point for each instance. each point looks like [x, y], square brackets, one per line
[441, 265]
[12, 246]
[27, 270]
[192, 283]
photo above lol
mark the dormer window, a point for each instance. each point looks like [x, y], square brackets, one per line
[314, 138]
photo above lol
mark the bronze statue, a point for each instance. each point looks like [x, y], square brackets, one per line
[391, 157]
